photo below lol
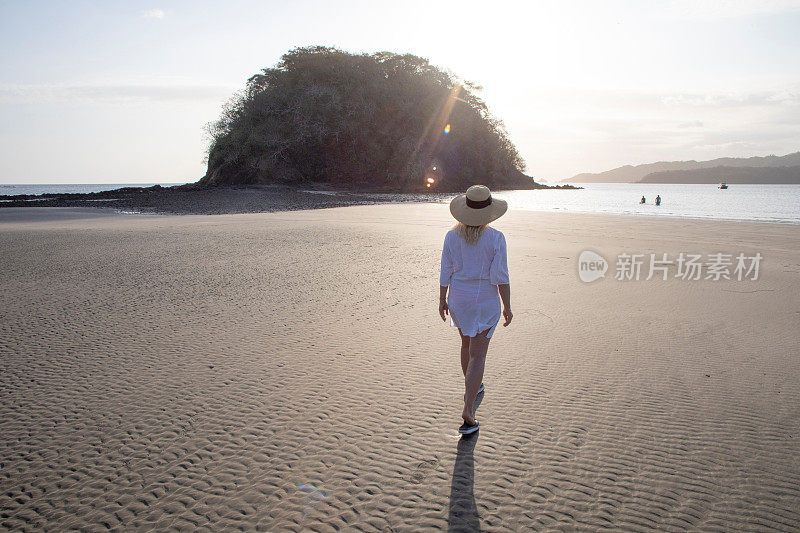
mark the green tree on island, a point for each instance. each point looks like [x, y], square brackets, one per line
[368, 121]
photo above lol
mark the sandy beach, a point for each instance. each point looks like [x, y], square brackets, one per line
[288, 371]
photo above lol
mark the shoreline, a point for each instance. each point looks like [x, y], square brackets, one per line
[193, 199]
[183, 200]
[668, 217]
[111, 211]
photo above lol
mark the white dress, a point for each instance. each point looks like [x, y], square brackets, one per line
[473, 273]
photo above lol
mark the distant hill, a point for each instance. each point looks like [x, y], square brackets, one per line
[633, 174]
[762, 175]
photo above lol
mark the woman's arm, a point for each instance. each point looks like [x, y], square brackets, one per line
[498, 275]
[505, 295]
[445, 275]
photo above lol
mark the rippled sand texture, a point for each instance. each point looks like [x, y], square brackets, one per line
[288, 371]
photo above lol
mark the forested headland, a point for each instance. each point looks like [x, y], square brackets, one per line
[380, 121]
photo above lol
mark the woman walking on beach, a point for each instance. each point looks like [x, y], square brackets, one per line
[475, 268]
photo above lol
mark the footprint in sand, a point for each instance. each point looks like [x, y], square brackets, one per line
[422, 471]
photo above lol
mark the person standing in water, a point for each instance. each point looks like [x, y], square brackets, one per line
[658, 200]
[642, 201]
[475, 269]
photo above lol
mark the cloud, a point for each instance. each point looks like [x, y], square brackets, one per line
[691, 124]
[133, 93]
[783, 97]
[153, 14]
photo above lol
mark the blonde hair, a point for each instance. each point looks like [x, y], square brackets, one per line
[470, 234]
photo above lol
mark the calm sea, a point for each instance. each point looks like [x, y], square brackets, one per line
[766, 203]
[72, 187]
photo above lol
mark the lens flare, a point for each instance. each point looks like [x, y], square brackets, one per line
[313, 491]
[428, 141]
[447, 129]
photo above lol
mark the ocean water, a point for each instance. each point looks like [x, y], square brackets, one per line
[71, 187]
[765, 203]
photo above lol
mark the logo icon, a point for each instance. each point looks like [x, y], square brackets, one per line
[591, 266]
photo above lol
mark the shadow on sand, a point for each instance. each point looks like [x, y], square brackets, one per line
[463, 509]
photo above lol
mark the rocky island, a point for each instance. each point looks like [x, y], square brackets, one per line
[381, 121]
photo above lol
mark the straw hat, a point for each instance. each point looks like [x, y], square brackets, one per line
[477, 207]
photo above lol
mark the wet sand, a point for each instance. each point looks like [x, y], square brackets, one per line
[289, 371]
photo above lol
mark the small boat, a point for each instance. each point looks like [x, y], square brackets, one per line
[723, 185]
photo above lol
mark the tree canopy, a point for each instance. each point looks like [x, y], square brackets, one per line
[381, 121]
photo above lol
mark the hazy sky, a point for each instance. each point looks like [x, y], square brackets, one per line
[107, 91]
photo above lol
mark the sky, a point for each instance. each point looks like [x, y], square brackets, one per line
[107, 91]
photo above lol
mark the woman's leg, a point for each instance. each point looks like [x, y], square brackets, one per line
[478, 346]
[464, 352]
